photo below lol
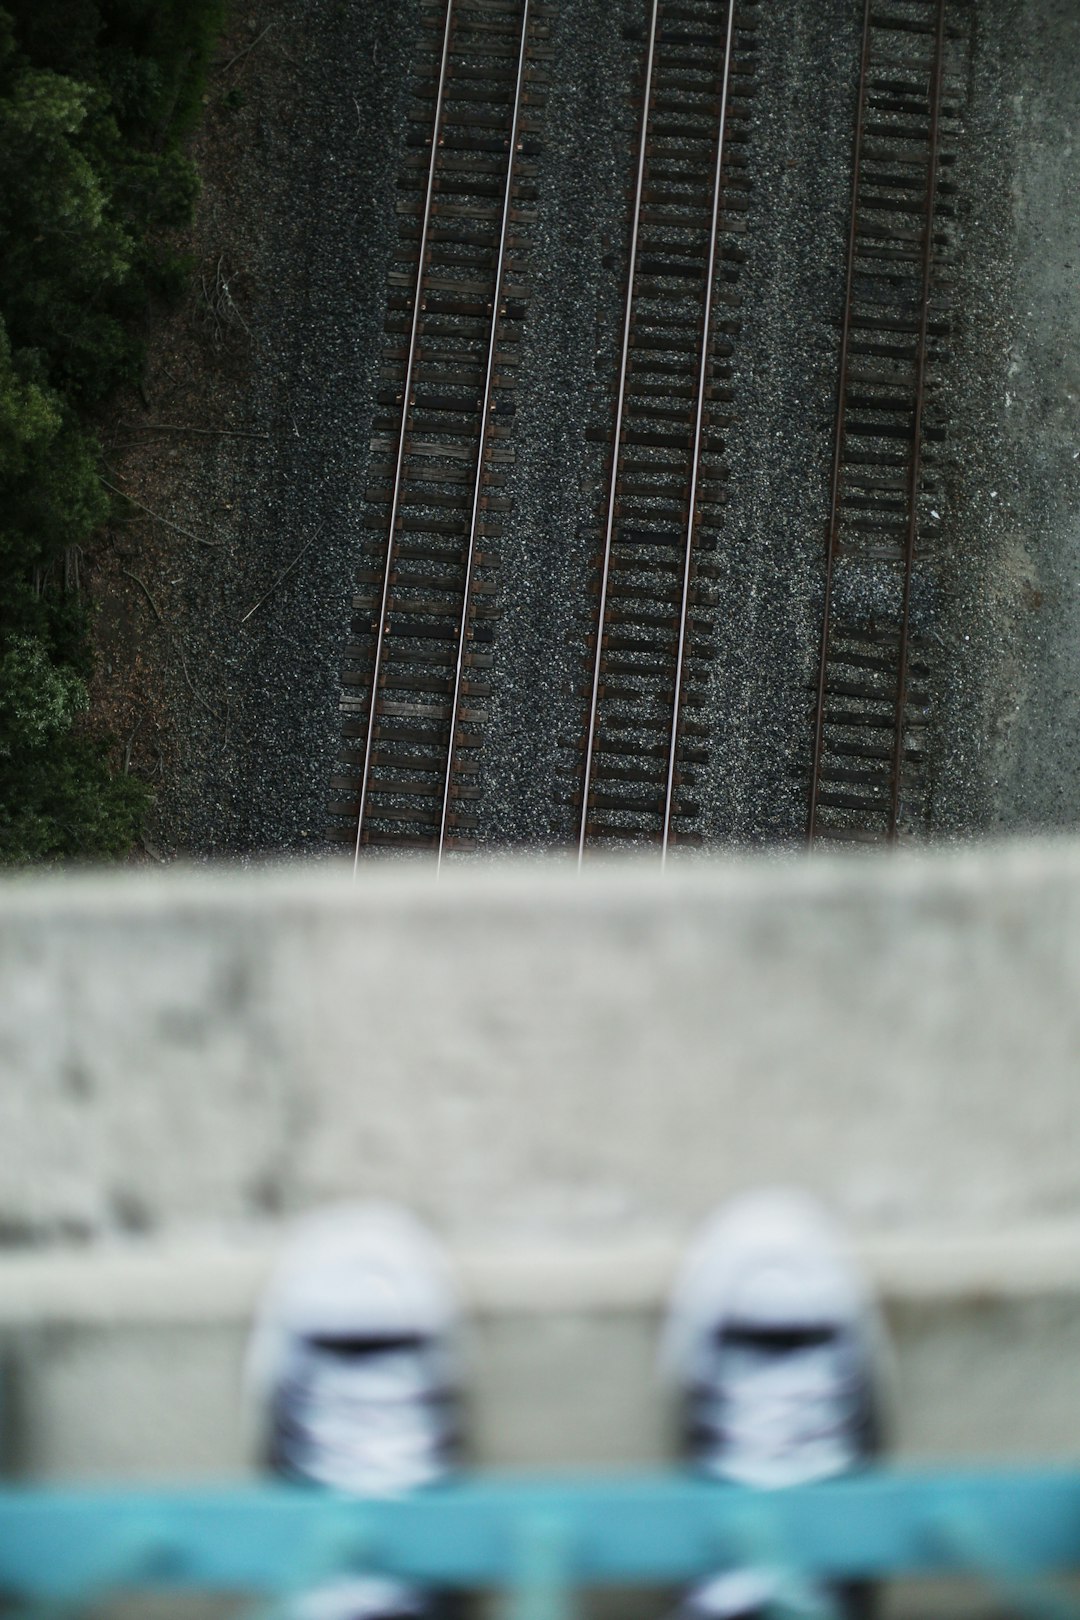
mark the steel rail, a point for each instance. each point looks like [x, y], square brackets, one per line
[932, 156]
[838, 443]
[699, 422]
[406, 403]
[620, 398]
[478, 482]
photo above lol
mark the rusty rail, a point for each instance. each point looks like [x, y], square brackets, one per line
[485, 417]
[695, 454]
[423, 636]
[869, 717]
[620, 401]
[663, 488]
[406, 401]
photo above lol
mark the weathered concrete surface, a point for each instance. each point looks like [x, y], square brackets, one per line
[515, 1050]
[563, 1075]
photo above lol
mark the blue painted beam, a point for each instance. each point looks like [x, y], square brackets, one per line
[486, 1530]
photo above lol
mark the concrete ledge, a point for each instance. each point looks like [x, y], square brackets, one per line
[218, 1283]
[128, 1364]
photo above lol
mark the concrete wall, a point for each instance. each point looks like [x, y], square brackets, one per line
[562, 1075]
[517, 1050]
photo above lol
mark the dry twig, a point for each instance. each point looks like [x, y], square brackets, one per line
[209, 433]
[214, 545]
[144, 587]
[283, 575]
[131, 743]
[220, 303]
[245, 50]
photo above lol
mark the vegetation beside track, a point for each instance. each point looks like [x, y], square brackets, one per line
[95, 99]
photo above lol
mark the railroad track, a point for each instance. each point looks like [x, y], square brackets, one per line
[427, 597]
[652, 628]
[868, 775]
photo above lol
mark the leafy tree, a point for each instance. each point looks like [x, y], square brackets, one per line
[52, 491]
[38, 699]
[93, 97]
[65, 803]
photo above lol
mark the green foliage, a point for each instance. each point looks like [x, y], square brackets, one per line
[150, 56]
[38, 699]
[52, 496]
[94, 96]
[63, 803]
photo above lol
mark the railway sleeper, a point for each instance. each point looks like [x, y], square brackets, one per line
[423, 399]
[667, 538]
[434, 527]
[461, 184]
[410, 608]
[392, 709]
[519, 215]
[856, 720]
[902, 404]
[659, 668]
[420, 736]
[850, 748]
[394, 760]
[876, 323]
[423, 473]
[505, 359]
[448, 447]
[837, 686]
[879, 805]
[844, 775]
[849, 834]
[877, 663]
[888, 503]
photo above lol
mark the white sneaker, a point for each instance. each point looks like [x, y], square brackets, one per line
[774, 1341]
[775, 1346]
[352, 1356]
[353, 1370]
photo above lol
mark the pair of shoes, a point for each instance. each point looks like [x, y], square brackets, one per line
[771, 1340]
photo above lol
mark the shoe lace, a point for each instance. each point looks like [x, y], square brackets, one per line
[368, 1422]
[785, 1416]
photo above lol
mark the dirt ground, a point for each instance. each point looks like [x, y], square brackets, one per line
[225, 587]
[189, 414]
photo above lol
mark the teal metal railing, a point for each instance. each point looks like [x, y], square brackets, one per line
[542, 1538]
